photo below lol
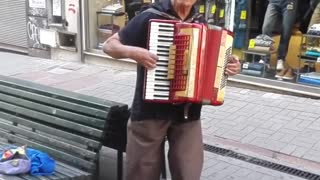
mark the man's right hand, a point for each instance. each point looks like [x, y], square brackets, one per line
[144, 57]
[116, 49]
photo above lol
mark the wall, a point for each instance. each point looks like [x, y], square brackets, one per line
[123, 65]
[71, 15]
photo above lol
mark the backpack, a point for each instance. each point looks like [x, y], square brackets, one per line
[14, 160]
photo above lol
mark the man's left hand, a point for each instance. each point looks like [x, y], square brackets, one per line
[233, 66]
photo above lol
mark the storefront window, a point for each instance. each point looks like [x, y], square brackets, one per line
[244, 18]
[277, 45]
[103, 18]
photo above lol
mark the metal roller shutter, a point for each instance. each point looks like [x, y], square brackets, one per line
[13, 23]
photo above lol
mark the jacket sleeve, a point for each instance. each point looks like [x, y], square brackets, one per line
[135, 32]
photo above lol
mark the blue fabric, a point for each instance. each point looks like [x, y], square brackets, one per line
[313, 53]
[240, 25]
[309, 80]
[41, 163]
[254, 66]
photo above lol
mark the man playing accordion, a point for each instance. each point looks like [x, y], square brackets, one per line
[151, 122]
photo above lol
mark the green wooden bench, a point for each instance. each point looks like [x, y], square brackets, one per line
[70, 127]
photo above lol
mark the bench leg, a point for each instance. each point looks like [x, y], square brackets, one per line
[163, 168]
[119, 165]
[96, 175]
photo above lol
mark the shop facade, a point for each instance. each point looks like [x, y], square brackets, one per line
[99, 19]
[74, 30]
[99, 24]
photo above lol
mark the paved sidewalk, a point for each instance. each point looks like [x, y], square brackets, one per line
[275, 122]
[223, 168]
[215, 168]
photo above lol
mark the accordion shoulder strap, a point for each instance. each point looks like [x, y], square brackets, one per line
[168, 16]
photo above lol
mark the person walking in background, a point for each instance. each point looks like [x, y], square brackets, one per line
[286, 11]
[151, 122]
[315, 18]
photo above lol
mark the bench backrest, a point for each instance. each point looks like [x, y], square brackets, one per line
[67, 125]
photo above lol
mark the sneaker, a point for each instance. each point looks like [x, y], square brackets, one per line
[280, 64]
[281, 73]
[266, 64]
[288, 75]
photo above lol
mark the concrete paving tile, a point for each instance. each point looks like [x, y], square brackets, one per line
[274, 145]
[287, 138]
[277, 136]
[220, 175]
[277, 126]
[288, 149]
[300, 151]
[313, 155]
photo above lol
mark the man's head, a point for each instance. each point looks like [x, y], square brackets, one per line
[183, 7]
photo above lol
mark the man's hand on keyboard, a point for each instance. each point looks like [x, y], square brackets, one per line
[144, 57]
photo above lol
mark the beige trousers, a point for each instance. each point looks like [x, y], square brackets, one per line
[145, 149]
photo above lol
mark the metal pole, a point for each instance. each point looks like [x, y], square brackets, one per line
[83, 29]
[249, 15]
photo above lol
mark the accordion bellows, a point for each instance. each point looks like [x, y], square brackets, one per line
[191, 63]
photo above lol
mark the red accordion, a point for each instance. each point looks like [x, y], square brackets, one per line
[191, 64]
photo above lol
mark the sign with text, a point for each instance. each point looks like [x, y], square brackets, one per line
[37, 4]
[56, 8]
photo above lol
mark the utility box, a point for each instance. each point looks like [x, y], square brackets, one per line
[64, 23]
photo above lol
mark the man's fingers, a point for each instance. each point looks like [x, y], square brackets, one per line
[233, 58]
[233, 66]
[149, 65]
[230, 72]
[153, 56]
[152, 61]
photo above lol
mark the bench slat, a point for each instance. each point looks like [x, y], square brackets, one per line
[53, 177]
[61, 94]
[56, 176]
[29, 177]
[5, 177]
[72, 169]
[3, 142]
[71, 173]
[14, 82]
[41, 117]
[61, 176]
[90, 166]
[45, 140]
[78, 108]
[26, 176]
[50, 130]
[53, 111]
